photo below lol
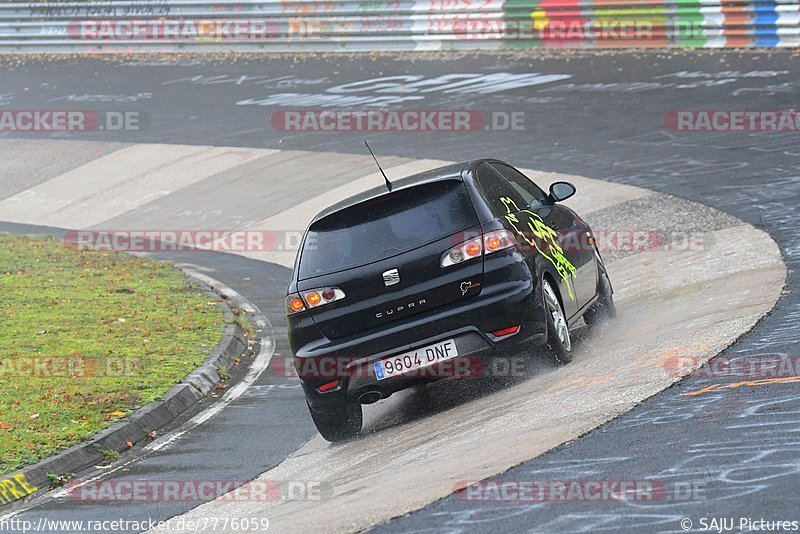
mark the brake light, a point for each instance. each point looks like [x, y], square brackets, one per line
[481, 245]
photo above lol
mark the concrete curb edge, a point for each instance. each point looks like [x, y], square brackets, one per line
[153, 416]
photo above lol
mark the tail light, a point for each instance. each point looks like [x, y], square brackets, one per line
[485, 244]
[294, 304]
[498, 240]
[329, 386]
[312, 298]
[506, 331]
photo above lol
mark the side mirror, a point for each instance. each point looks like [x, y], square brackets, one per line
[561, 191]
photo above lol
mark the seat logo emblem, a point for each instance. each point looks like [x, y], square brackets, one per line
[391, 277]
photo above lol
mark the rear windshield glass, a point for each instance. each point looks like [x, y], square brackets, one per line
[387, 226]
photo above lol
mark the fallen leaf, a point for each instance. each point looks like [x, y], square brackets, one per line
[4, 426]
[129, 444]
[117, 414]
[35, 416]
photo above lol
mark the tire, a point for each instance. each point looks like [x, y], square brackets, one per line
[559, 342]
[338, 424]
[604, 309]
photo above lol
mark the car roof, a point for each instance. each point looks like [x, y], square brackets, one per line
[453, 171]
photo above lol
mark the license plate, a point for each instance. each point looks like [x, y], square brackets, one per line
[415, 359]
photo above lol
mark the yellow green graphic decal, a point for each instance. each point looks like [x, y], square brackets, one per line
[549, 237]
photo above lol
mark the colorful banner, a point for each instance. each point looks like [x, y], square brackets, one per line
[397, 25]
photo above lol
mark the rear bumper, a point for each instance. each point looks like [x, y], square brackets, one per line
[501, 304]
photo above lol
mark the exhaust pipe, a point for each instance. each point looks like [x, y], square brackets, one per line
[370, 397]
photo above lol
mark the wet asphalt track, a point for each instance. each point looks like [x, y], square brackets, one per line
[740, 443]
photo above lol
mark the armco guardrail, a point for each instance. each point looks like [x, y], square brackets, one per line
[195, 25]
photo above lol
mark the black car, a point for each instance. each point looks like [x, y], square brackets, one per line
[458, 263]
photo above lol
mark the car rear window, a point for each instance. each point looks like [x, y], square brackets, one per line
[386, 226]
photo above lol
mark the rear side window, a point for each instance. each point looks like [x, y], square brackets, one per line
[531, 194]
[386, 226]
[496, 188]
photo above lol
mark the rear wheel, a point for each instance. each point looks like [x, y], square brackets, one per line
[604, 309]
[559, 341]
[340, 423]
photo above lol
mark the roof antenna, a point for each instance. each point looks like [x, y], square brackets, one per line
[388, 183]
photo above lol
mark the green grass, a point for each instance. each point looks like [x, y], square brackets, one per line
[85, 338]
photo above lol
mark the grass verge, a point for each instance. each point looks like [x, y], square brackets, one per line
[85, 338]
